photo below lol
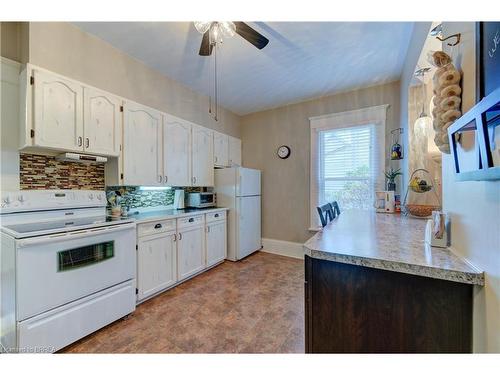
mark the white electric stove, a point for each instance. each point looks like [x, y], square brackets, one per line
[66, 268]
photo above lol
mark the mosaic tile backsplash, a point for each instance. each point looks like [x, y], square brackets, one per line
[45, 172]
[134, 197]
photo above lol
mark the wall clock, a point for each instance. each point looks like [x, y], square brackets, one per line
[283, 152]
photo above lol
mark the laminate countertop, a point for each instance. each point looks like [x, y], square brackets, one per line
[390, 242]
[144, 217]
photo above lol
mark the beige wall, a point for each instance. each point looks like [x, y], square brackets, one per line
[474, 207]
[9, 40]
[67, 50]
[417, 40]
[13, 40]
[285, 183]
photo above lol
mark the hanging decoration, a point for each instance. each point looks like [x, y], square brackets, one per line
[396, 148]
[424, 122]
[447, 97]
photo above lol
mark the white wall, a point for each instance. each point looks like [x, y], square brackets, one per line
[475, 210]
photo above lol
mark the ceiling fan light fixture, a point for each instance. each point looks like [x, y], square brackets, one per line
[202, 26]
[227, 28]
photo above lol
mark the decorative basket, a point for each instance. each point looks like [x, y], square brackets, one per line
[421, 188]
[421, 183]
[421, 210]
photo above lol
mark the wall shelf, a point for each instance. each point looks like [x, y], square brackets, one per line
[475, 141]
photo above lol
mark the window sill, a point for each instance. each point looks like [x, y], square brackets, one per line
[314, 229]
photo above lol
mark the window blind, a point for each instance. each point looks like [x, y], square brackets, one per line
[350, 165]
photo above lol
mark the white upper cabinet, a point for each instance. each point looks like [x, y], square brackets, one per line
[221, 150]
[234, 151]
[102, 119]
[142, 164]
[57, 112]
[61, 114]
[202, 156]
[176, 151]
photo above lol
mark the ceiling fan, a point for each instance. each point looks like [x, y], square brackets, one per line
[213, 31]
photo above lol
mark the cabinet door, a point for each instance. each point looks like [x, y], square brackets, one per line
[216, 242]
[234, 151]
[176, 151]
[221, 149]
[190, 251]
[58, 112]
[156, 264]
[142, 144]
[202, 157]
[101, 119]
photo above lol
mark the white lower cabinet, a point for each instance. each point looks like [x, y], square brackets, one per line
[156, 262]
[172, 250]
[190, 246]
[216, 242]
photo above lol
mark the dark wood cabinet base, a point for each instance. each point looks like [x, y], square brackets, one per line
[356, 309]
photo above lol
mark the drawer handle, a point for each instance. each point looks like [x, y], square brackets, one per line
[180, 236]
[158, 226]
[216, 215]
[191, 220]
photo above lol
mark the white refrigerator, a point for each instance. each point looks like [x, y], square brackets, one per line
[239, 189]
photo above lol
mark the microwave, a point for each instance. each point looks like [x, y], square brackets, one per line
[201, 200]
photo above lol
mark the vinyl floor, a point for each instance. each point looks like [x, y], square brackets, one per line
[252, 306]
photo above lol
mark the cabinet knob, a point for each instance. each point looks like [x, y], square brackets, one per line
[191, 219]
[80, 141]
[158, 226]
[159, 179]
[216, 215]
[87, 142]
[180, 236]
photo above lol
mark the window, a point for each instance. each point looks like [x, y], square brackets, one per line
[347, 166]
[347, 159]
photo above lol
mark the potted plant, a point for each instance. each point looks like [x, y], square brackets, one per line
[391, 175]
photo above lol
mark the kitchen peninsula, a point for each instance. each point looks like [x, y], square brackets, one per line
[371, 286]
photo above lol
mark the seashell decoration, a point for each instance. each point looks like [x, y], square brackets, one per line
[447, 99]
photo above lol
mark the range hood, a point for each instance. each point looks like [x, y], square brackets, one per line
[70, 156]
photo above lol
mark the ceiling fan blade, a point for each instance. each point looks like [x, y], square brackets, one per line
[206, 47]
[252, 36]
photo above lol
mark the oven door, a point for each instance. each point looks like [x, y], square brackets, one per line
[207, 200]
[57, 269]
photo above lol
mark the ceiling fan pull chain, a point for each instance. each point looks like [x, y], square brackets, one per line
[209, 78]
[216, 84]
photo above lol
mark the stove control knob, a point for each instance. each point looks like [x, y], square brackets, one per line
[91, 196]
[99, 197]
[21, 198]
[7, 200]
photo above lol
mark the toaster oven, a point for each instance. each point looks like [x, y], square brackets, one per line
[201, 200]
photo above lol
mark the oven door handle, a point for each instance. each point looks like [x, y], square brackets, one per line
[68, 236]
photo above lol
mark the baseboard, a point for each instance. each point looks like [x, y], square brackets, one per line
[285, 248]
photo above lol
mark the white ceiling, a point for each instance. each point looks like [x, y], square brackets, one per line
[303, 60]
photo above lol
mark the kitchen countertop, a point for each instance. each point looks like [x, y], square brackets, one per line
[144, 217]
[390, 242]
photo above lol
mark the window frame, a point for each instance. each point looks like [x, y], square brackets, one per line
[376, 115]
